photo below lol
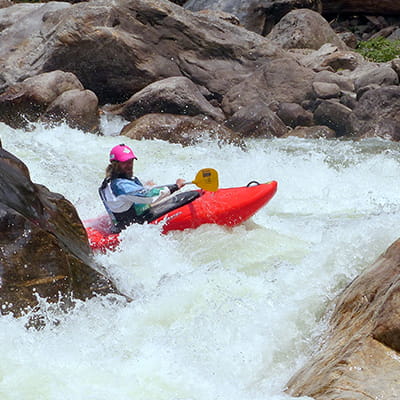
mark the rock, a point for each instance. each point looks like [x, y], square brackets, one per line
[44, 248]
[344, 83]
[395, 35]
[395, 64]
[311, 132]
[78, 108]
[180, 129]
[255, 15]
[118, 48]
[293, 114]
[256, 120]
[6, 3]
[10, 15]
[342, 60]
[27, 100]
[175, 95]
[334, 115]
[383, 7]
[325, 90]
[383, 76]
[222, 15]
[378, 113]
[348, 99]
[348, 38]
[278, 81]
[359, 358]
[304, 29]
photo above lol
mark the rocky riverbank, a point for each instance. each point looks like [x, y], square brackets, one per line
[145, 59]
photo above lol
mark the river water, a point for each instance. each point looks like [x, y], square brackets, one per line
[221, 314]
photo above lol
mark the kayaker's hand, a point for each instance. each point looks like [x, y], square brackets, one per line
[180, 182]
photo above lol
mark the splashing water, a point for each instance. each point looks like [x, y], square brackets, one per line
[217, 313]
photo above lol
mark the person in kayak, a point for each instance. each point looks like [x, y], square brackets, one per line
[125, 198]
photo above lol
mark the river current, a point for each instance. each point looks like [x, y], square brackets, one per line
[218, 314]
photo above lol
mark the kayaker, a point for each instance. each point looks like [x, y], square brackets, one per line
[125, 198]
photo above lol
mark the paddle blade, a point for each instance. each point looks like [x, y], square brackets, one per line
[207, 179]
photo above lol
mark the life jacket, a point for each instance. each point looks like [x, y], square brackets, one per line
[121, 220]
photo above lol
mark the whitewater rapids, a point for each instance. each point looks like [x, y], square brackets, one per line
[227, 314]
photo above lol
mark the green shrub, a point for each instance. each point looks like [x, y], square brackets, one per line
[379, 49]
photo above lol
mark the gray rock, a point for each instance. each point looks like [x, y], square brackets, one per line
[175, 95]
[334, 115]
[325, 90]
[382, 75]
[378, 113]
[304, 29]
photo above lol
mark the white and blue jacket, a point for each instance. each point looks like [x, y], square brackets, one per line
[127, 200]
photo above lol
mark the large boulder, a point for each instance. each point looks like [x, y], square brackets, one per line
[181, 129]
[44, 248]
[175, 95]
[359, 358]
[257, 120]
[282, 80]
[26, 101]
[118, 48]
[78, 108]
[377, 113]
[304, 29]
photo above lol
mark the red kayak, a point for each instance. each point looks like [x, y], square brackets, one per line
[227, 207]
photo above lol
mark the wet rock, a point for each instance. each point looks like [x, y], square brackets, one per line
[311, 132]
[359, 356]
[78, 108]
[180, 129]
[27, 101]
[176, 95]
[44, 249]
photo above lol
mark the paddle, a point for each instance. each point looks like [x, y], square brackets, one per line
[207, 179]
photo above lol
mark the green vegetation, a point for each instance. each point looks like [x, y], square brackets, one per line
[379, 49]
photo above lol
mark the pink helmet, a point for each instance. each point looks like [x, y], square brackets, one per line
[122, 153]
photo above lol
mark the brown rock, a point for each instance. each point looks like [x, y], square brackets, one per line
[359, 358]
[278, 81]
[304, 29]
[180, 129]
[118, 48]
[27, 100]
[377, 113]
[78, 108]
[175, 95]
[311, 132]
[44, 249]
[256, 120]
